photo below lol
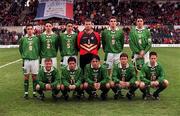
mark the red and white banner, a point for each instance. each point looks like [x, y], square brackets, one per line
[54, 8]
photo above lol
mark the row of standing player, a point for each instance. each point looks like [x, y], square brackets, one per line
[86, 42]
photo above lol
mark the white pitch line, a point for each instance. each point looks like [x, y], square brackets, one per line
[10, 63]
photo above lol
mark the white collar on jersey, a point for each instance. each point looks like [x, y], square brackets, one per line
[50, 33]
[140, 29]
[75, 68]
[109, 28]
[52, 68]
[72, 32]
[28, 36]
[149, 64]
[120, 66]
[98, 66]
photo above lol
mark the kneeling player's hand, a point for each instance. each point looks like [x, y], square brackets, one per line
[73, 87]
[127, 84]
[122, 84]
[48, 87]
[97, 86]
[156, 83]
[70, 87]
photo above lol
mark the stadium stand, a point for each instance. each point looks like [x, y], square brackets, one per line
[159, 16]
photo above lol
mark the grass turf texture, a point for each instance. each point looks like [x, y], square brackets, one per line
[13, 104]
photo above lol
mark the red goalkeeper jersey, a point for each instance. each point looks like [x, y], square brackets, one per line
[88, 43]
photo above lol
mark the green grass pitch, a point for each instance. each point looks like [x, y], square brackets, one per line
[13, 104]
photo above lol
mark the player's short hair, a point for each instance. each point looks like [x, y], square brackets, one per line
[95, 57]
[29, 25]
[139, 17]
[87, 20]
[152, 53]
[71, 59]
[69, 22]
[48, 60]
[124, 55]
[48, 23]
[112, 17]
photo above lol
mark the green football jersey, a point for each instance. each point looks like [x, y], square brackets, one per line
[96, 75]
[140, 39]
[51, 77]
[68, 44]
[112, 41]
[48, 45]
[29, 47]
[149, 73]
[127, 74]
[71, 77]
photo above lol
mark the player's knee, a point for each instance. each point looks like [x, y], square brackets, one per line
[142, 85]
[165, 83]
[37, 87]
[33, 77]
[26, 77]
[108, 85]
[62, 87]
[112, 84]
[85, 86]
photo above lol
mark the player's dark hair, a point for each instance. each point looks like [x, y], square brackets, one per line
[124, 55]
[112, 17]
[29, 25]
[69, 22]
[95, 57]
[48, 60]
[152, 53]
[48, 22]
[88, 20]
[139, 17]
[71, 59]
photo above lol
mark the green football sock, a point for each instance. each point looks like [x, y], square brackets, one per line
[26, 85]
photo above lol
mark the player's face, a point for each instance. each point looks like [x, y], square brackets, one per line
[95, 63]
[29, 30]
[48, 27]
[72, 65]
[112, 22]
[88, 25]
[153, 59]
[140, 22]
[124, 60]
[69, 27]
[48, 65]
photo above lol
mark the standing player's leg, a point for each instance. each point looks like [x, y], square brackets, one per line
[26, 70]
[109, 62]
[34, 71]
[54, 61]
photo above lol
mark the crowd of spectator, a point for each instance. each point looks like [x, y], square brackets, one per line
[160, 34]
[17, 12]
[160, 17]
[9, 38]
[126, 12]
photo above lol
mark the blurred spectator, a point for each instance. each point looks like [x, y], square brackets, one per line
[16, 13]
